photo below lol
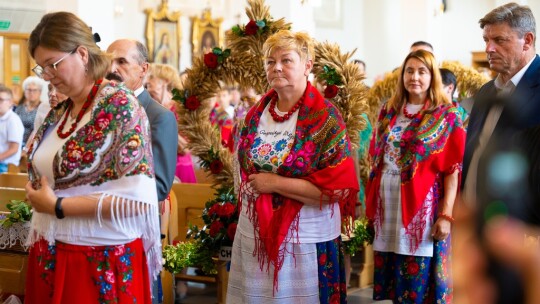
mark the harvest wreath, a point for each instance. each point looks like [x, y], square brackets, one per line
[242, 63]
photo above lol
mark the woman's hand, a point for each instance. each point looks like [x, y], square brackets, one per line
[263, 182]
[441, 229]
[42, 200]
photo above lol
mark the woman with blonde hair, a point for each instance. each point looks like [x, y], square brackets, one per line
[161, 79]
[416, 154]
[297, 186]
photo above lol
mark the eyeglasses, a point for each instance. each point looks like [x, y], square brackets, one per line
[48, 69]
[33, 90]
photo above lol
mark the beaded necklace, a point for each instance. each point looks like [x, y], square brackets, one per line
[288, 115]
[85, 106]
[409, 115]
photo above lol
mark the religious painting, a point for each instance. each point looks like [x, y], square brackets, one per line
[163, 36]
[206, 34]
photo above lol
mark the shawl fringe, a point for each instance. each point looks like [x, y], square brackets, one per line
[135, 218]
[319, 126]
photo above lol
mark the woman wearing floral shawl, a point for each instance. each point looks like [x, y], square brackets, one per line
[416, 151]
[297, 184]
[95, 232]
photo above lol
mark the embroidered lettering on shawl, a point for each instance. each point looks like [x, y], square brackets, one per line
[325, 161]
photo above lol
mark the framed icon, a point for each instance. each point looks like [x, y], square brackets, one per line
[206, 34]
[163, 35]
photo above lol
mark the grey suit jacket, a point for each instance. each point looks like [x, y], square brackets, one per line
[164, 133]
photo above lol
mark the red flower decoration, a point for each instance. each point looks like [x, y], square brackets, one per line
[413, 268]
[412, 295]
[215, 228]
[251, 28]
[322, 259]
[379, 261]
[226, 210]
[98, 136]
[331, 91]
[192, 103]
[102, 121]
[216, 166]
[88, 157]
[231, 231]
[214, 210]
[211, 60]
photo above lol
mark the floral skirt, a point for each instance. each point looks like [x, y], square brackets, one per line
[64, 273]
[414, 279]
[314, 274]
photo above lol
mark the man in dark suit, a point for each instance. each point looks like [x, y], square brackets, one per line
[510, 34]
[501, 162]
[130, 65]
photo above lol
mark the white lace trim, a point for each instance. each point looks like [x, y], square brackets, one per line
[16, 234]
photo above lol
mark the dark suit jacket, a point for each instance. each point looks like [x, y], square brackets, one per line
[517, 126]
[164, 142]
[509, 169]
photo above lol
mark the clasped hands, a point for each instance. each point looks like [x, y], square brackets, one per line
[263, 182]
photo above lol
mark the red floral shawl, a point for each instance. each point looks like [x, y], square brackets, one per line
[320, 154]
[433, 143]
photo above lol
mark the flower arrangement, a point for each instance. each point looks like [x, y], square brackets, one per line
[19, 211]
[362, 234]
[185, 254]
[213, 163]
[333, 80]
[216, 57]
[251, 28]
[220, 218]
[190, 102]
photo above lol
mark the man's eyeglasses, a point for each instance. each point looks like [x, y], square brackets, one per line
[50, 68]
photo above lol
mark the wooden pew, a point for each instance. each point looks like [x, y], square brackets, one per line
[13, 260]
[13, 267]
[13, 180]
[7, 194]
[190, 199]
[187, 207]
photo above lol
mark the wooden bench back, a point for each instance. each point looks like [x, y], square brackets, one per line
[13, 180]
[190, 202]
[8, 194]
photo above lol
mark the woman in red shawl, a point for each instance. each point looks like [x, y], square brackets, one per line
[416, 153]
[297, 183]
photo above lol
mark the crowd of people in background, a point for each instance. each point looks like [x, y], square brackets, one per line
[431, 161]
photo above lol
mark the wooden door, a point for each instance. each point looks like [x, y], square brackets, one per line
[16, 63]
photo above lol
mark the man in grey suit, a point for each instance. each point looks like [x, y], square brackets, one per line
[130, 65]
[501, 171]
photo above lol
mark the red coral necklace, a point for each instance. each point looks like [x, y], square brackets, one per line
[409, 115]
[288, 115]
[85, 106]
